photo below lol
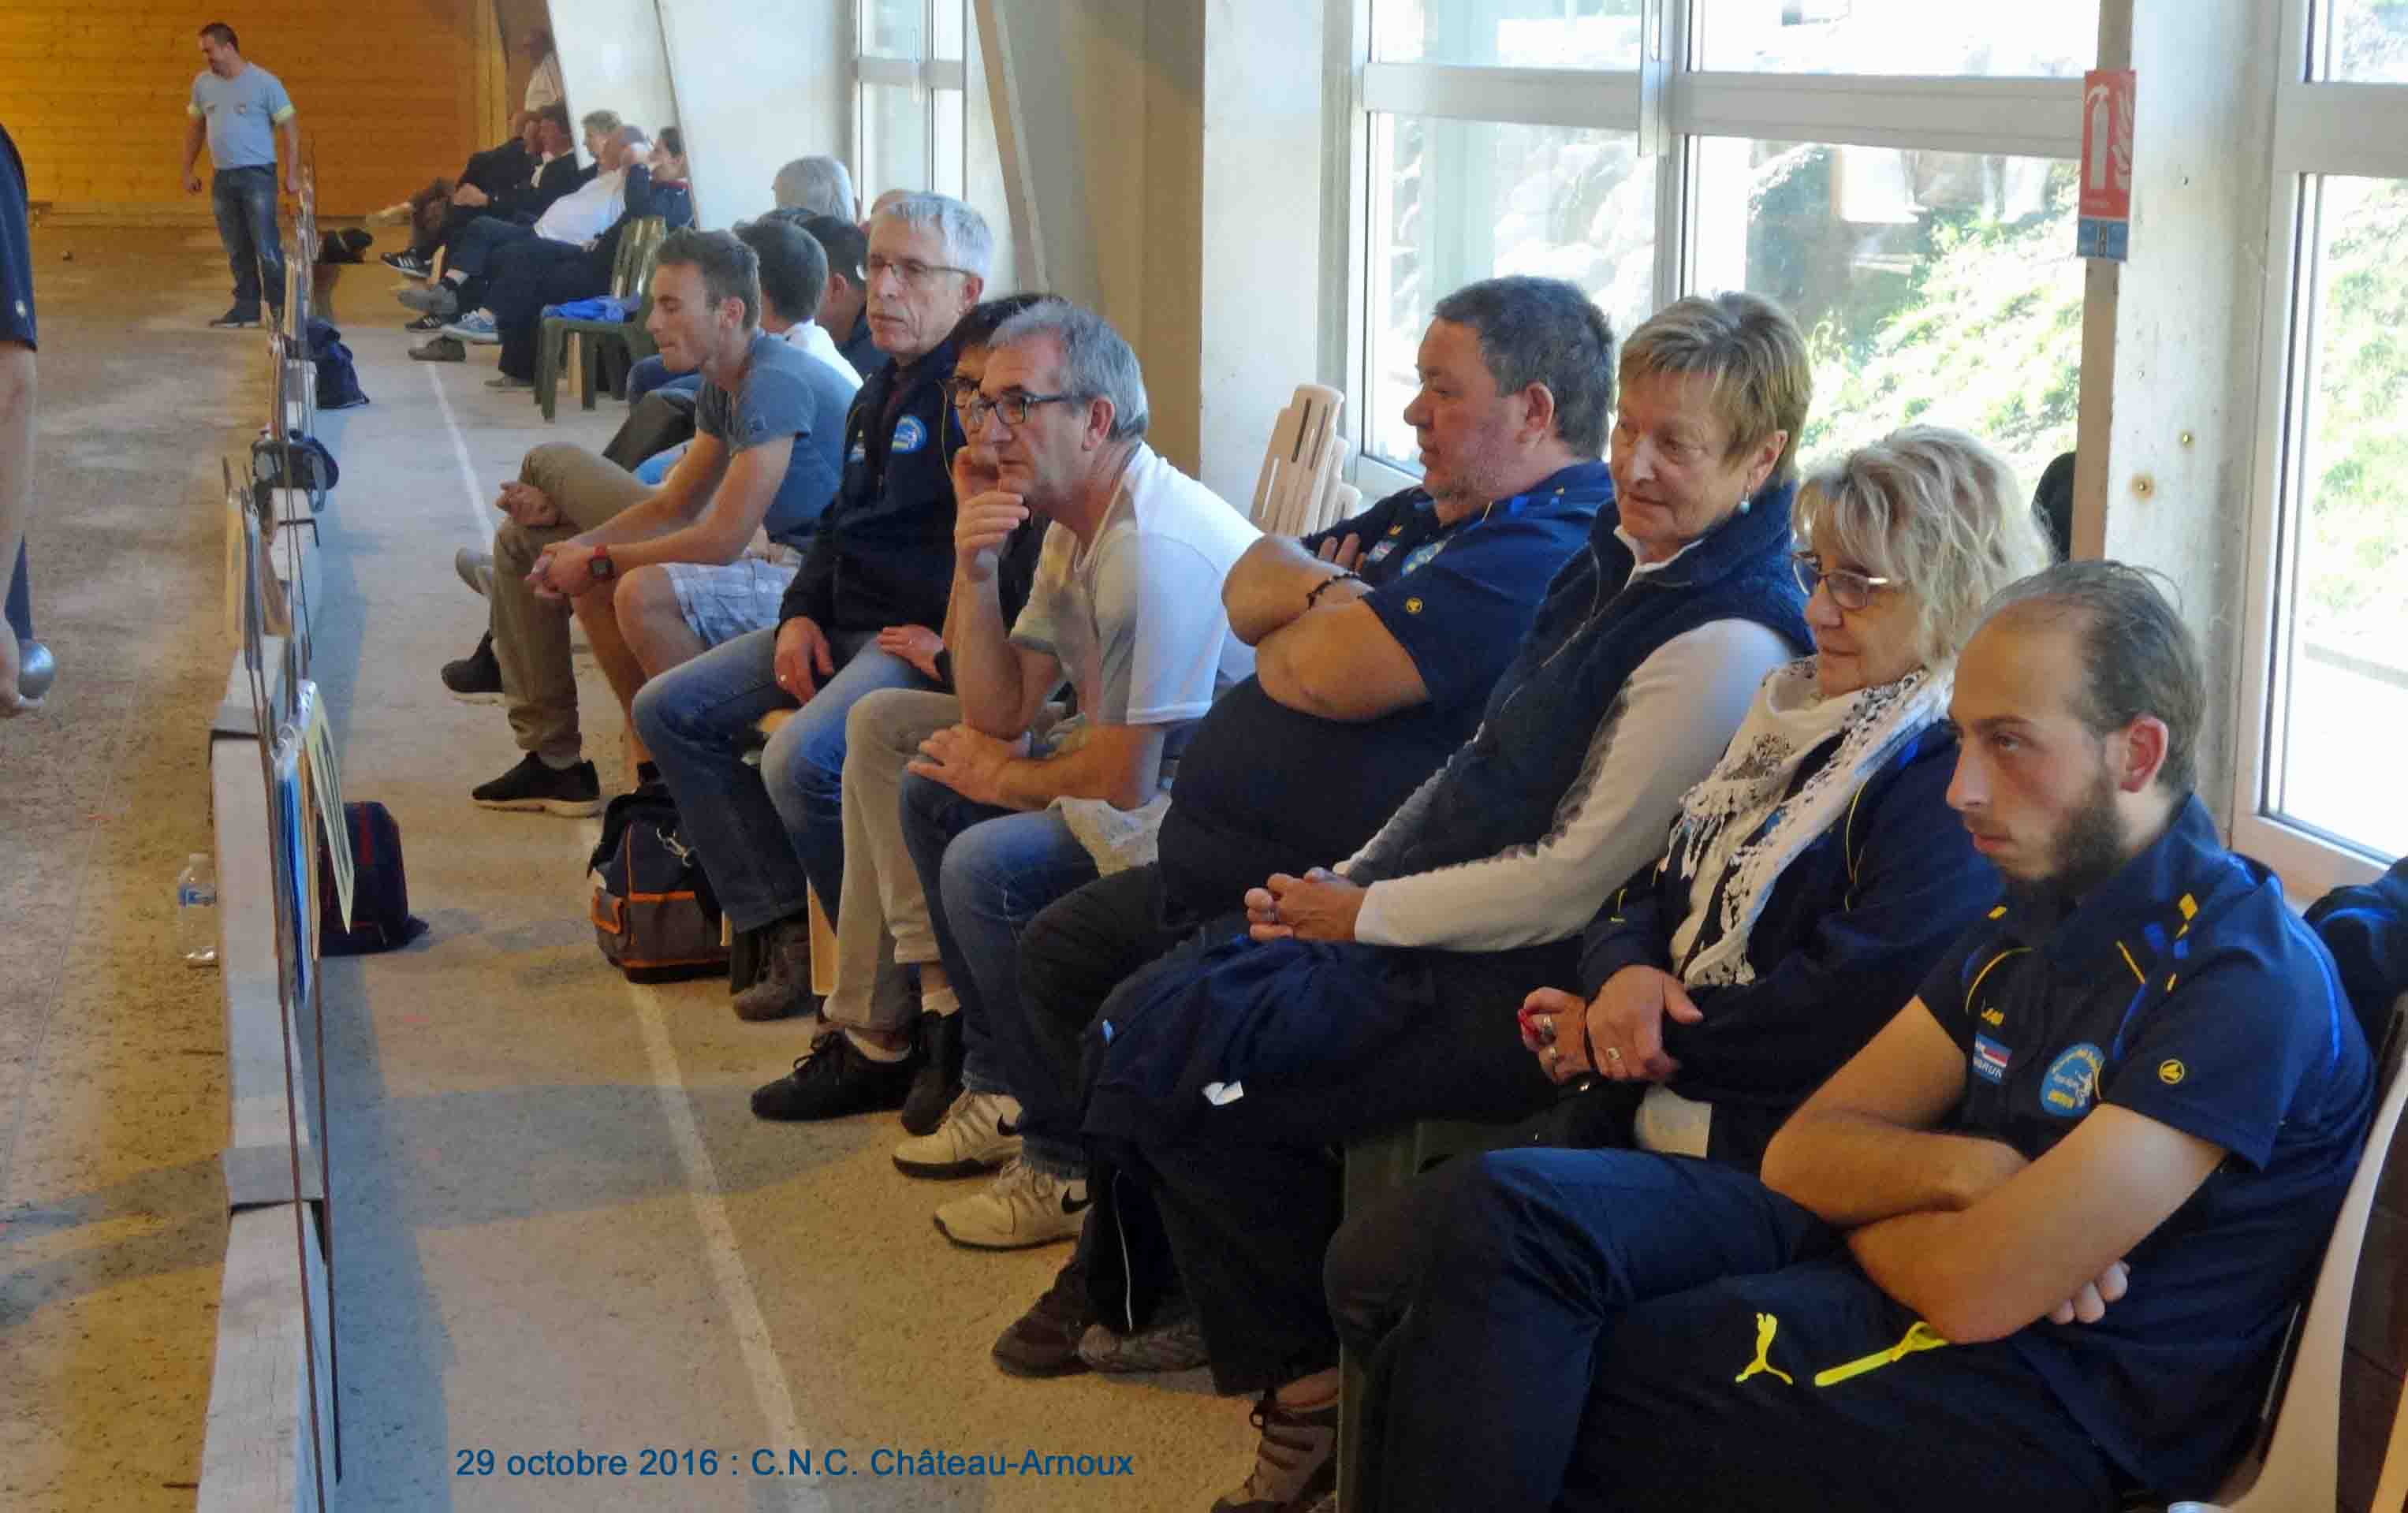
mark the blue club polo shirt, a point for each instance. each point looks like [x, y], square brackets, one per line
[1263, 788]
[2184, 989]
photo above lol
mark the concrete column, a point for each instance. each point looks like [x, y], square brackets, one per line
[1203, 246]
[754, 99]
[2170, 340]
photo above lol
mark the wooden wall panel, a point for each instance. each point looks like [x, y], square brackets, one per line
[94, 96]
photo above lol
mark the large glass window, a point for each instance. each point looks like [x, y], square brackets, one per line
[1456, 201]
[2028, 38]
[2342, 590]
[1509, 34]
[909, 81]
[1934, 288]
[894, 28]
[2365, 42]
[894, 139]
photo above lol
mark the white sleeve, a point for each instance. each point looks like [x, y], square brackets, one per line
[1664, 732]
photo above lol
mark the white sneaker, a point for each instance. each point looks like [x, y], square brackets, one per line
[980, 1132]
[1021, 1207]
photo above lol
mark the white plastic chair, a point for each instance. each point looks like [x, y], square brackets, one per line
[2299, 1467]
[1299, 491]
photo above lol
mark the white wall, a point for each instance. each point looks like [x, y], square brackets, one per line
[757, 86]
[1201, 245]
[610, 59]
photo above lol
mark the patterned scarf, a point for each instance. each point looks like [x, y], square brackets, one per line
[1761, 807]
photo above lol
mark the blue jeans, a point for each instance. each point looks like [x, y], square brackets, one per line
[245, 201]
[656, 467]
[987, 872]
[763, 836]
[653, 373]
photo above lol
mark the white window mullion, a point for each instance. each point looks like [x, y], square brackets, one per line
[2360, 130]
[904, 72]
[1526, 96]
[2033, 118]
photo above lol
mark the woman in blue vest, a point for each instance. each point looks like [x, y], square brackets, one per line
[1370, 995]
[1810, 882]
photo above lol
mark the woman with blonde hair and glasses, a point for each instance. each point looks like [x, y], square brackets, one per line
[1807, 884]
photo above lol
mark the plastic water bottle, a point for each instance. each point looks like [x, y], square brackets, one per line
[196, 911]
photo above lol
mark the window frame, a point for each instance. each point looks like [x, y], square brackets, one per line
[927, 77]
[2319, 130]
[1670, 103]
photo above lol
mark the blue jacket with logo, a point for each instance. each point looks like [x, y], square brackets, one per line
[883, 552]
[1595, 627]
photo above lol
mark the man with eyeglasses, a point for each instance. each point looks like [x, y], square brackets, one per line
[881, 556]
[1000, 814]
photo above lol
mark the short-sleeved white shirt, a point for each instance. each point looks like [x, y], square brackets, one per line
[1135, 618]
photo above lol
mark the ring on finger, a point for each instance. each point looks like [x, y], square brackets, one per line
[1545, 1024]
[1552, 1054]
[1614, 1054]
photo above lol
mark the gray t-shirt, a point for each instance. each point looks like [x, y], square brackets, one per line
[785, 392]
[243, 113]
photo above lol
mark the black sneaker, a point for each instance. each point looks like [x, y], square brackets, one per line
[409, 263]
[477, 678]
[534, 784]
[1044, 1341]
[426, 322]
[833, 1081]
[938, 1081]
[236, 319]
[440, 350]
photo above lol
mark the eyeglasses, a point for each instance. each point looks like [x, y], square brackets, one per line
[1850, 588]
[914, 272]
[1014, 407]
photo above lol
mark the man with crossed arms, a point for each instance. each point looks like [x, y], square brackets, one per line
[2034, 1247]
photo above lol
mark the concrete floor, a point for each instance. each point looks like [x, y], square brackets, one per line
[556, 1227]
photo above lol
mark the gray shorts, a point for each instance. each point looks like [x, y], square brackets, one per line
[720, 604]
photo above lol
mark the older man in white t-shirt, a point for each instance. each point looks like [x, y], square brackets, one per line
[1125, 609]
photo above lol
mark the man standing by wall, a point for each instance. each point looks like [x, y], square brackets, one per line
[240, 107]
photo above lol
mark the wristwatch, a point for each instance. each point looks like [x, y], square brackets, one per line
[600, 565]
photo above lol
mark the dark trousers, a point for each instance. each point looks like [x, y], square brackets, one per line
[527, 277]
[1614, 1330]
[473, 248]
[1073, 955]
[1249, 1196]
[20, 597]
[244, 200]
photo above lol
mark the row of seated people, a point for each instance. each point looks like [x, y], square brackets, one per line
[501, 270]
[700, 548]
[802, 292]
[1915, 1091]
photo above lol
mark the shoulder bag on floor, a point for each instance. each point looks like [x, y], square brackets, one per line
[655, 915]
